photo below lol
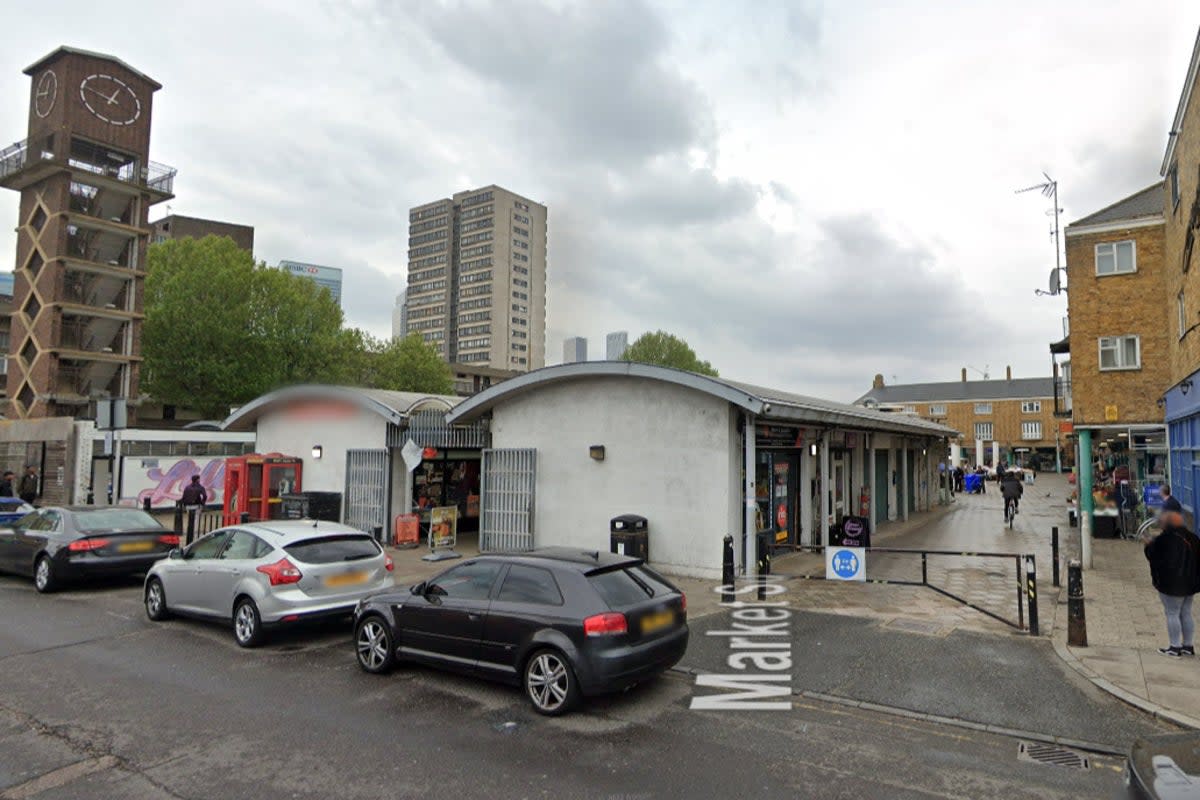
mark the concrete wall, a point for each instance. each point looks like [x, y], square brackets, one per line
[672, 455]
[279, 434]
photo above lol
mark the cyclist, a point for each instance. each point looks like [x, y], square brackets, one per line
[1012, 489]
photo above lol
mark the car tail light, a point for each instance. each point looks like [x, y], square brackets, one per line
[169, 538]
[281, 572]
[683, 602]
[83, 545]
[388, 564]
[605, 625]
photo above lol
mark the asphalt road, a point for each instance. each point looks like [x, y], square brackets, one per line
[98, 702]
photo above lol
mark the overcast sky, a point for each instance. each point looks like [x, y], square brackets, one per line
[808, 193]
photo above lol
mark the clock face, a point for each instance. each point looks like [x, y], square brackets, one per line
[110, 99]
[45, 93]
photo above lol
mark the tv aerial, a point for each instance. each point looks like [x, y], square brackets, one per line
[1049, 189]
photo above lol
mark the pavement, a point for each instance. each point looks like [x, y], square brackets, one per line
[97, 702]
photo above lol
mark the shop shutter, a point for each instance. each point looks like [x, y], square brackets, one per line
[367, 480]
[506, 502]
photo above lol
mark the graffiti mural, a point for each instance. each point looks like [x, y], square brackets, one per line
[163, 479]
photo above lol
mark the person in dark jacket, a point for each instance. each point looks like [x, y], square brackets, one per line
[1012, 489]
[194, 494]
[1174, 557]
[28, 490]
[1169, 501]
[6, 484]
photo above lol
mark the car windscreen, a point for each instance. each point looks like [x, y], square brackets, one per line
[114, 520]
[332, 549]
[629, 586]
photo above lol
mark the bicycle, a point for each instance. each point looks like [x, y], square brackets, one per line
[1010, 511]
[1144, 529]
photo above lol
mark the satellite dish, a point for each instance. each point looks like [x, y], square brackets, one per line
[1055, 282]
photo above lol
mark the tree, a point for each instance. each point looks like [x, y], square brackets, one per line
[411, 365]
[666, 350]
[221, 330]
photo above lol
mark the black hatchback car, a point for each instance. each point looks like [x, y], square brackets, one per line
[560, 623]
[56, 545]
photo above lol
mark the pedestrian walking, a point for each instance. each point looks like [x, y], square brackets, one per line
[193, 499]
[1174, 557]
[6, 484]
[30, 485]
[1169, 502]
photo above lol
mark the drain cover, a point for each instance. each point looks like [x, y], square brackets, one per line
[1051, 754]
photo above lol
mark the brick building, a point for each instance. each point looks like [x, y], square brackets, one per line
[177, 226]
[1010, 420]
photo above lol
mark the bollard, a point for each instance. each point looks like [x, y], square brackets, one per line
[1031, 593]
[178, 517]
[146, 504]
[244, 517]
[1054, 554]
[91, 497]
[764, 564]
[727, 573]
[1076, 621]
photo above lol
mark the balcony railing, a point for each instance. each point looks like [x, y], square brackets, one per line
[1062, 397]
[154, 176]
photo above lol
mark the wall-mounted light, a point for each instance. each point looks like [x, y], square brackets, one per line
[318, 451]
[812, 449]
[1161, 402]
[1186, 386]
[596, 451]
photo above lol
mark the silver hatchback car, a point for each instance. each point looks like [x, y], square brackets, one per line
[266, 574]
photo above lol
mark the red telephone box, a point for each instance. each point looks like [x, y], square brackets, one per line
[255, 483]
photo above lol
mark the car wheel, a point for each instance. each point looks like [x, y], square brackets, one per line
[247, 624]
[550, 683]
[156, 601]
[373, 646]
[43, 575]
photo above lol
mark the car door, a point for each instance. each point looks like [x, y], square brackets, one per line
[8, 541]
[222, 575]
[31, 539]
[185, 579]
[445, 622]
[528, 600]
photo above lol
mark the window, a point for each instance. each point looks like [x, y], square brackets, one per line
[520, 230]
[115, 520]
[626, 587]
[469, 582]
[486, 236]
[1120, 352]
[520, 282]
[937, 410]
[520, 308]
[530, 585]
[983, 408]
[521, 257]
[1116, 258]
[910, 409]
[333, 549]
[1031, 406]
[1181, 309]
[520, 244]
[521, 218]
[983, 430]
[520, 295]
[475, 277]
[245, 545]
[1031, 431]
[1173, 180]
[209, 546]
[519, 321]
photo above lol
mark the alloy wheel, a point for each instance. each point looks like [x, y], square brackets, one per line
[547, 682]
[244, 624]
[372, 644]
[154, 599]
[41, 575]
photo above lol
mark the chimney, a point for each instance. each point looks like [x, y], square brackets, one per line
[878, 383]
[1008, 373]
[964, 374]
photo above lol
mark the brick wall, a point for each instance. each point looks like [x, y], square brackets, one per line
[1006, 418]
[1118, 305]
[1185, 352]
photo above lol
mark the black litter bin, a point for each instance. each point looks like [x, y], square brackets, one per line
[629, 535]
[324, 506]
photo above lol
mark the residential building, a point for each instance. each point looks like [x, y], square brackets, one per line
[327, 277]
[176, 226]
[477, 278]
[1119, 342]
[574, 350]
[1010, 420]
[470, 379]
[615, 345]
[400, 317]
[86, 183]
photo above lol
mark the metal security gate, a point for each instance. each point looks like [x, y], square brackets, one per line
[367, 482]
[506, 505]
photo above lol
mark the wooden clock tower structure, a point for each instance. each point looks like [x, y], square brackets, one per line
[87, 183]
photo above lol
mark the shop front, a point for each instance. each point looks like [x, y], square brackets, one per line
[1183, 423]
[1128, 464]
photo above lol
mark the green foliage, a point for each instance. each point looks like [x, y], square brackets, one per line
[411, 365]
[221, 330]
[665, 350]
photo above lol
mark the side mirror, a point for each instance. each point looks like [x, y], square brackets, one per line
[176, 553]
[419, 588]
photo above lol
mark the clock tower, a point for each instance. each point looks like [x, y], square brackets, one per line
[87, 183]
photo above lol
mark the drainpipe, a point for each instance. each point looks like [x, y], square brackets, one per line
[903, 489]
[1086, 505]
[749, 558]
[872, 476]
[825, 488]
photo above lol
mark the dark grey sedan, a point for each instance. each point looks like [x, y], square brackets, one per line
[57, 545]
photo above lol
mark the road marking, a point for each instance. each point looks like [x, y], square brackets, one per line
[58, 777]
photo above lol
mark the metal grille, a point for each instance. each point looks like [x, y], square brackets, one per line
[429, 429]
[506, 505]
[367, 480]
[1051, 754]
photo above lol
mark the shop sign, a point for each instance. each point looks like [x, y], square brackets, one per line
[845, 564]
[443, 527]
[319, 410]
[1066, 427]
[779, 436]
[1110, 413]
[856, 532]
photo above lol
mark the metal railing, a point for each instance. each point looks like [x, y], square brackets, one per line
[154, 176]
[12, 158]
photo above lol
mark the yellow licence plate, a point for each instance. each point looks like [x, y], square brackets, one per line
[135, 547]
[657, 621]
[347, 579]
